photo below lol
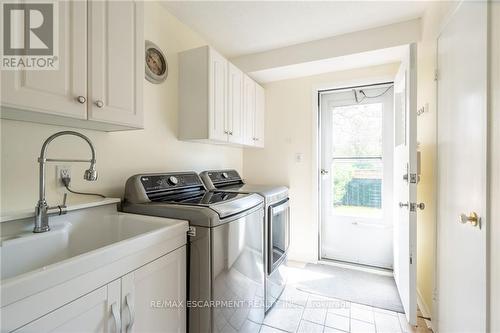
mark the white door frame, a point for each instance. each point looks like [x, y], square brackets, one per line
[315, 141]
[387, 160]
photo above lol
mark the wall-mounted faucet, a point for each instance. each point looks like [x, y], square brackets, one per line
[42, 210]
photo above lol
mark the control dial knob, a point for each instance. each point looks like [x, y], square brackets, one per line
[225, 175]
[172, 180]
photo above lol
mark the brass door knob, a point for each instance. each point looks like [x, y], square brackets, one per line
[472, 218]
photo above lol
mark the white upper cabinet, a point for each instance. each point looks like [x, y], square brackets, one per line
[116, 68]
[234, 117]
[249, 110]
[106, 95]
[254, 109]
[217, 102]
[54, 92]
[260, 108]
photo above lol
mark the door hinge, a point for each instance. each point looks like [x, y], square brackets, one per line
[191, 231]
[411, 260]
[413, 178]
[436, 74]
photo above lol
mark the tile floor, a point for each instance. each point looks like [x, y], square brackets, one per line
[299, 311]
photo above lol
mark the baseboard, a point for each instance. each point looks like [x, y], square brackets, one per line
[424, 309]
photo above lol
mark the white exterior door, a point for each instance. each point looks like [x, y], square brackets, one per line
[405, 183]
[356, 181]
[116, 62]
[55, 91]
[462, 171]
[96, 312]
[159, 281]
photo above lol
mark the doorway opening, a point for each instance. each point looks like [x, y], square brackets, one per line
[356, 154]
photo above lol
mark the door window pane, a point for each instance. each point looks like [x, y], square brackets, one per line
[357, 130]
[357, 187]
[357, 160]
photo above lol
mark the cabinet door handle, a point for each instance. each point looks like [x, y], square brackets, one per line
[131, 312]
[81, 99]
[99, 104]
[116, 317]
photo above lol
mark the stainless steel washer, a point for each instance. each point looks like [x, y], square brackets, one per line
[277, 224]
[226, 248]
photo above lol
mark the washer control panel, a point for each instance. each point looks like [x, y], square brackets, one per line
[153, 183]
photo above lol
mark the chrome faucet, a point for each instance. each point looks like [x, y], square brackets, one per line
[42, 210]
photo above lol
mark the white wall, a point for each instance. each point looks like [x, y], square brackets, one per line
[120, 154]
[426, 136]
[289, 123]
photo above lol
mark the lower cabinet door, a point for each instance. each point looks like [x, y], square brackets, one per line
[97, 311]
[154, 296]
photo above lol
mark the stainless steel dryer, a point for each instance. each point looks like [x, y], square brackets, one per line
[226, 247]
[277, 224]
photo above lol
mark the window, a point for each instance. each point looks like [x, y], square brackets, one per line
[357, 160]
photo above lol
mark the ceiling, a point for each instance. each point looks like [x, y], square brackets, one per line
[357, 60]
[238, 28]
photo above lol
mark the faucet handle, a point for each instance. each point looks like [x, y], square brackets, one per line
[64, 199]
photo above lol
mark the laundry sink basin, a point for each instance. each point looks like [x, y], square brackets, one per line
[24, 252]
[79, 242]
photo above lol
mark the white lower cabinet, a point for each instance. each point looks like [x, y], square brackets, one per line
[90, 313]
[147, 291]
[136, 302]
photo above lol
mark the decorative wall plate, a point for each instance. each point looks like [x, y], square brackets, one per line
[155, 63]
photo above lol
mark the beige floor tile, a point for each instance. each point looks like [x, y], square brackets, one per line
[295, 296]
[332, 330]
[249, 327]
[386, 323]
[362, 312]
[340, 307]
[316, 309]
[268, 329]
[309, 327]
[338, 322]
[285, 316]
[358, 326]
[392, 313]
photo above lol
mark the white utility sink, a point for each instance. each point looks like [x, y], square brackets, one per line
[78, 242]
[68, 238]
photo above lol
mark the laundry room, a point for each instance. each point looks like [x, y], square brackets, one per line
[249, 166]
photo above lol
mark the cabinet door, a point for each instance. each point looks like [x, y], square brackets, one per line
[235, 104]
[145, 293]
[217, 96]
[260, 109]
[116, 62]
[98, 311]
[249, 111]
[55, 91]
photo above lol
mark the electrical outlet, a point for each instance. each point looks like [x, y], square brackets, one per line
[62, 171]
